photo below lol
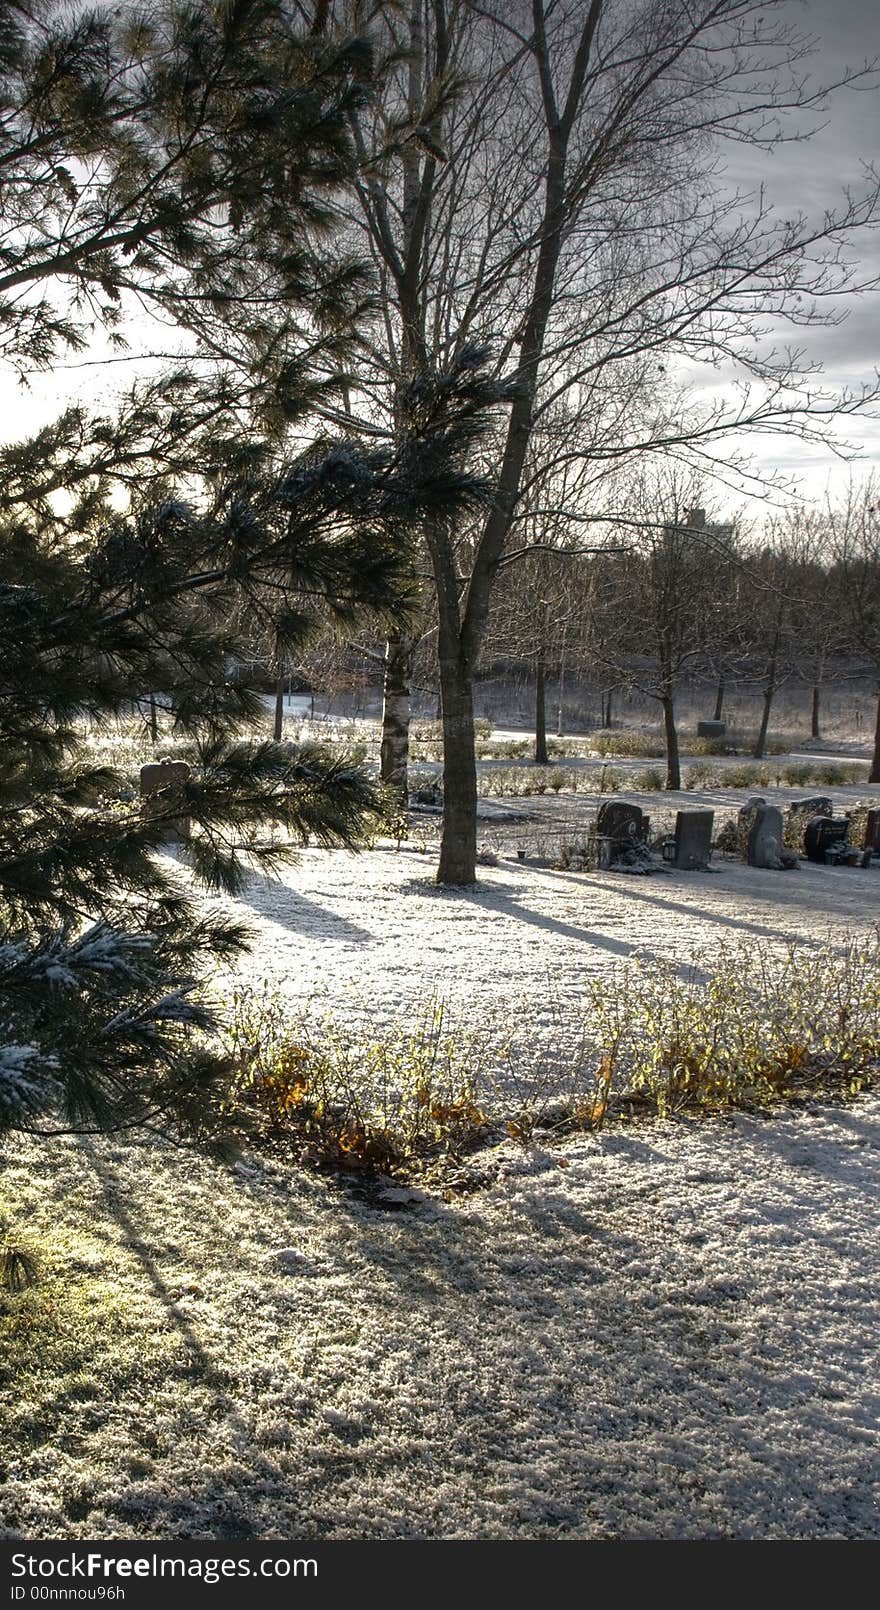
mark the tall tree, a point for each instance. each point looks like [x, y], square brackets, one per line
[855, 582]
[653, 610]
[560, 199]
[129, 542]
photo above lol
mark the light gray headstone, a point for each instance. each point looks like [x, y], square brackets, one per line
[765, 838]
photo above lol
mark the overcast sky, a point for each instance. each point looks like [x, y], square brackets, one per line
[806, 176]
[809, 177]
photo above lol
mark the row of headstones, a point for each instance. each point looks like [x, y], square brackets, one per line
[622, 834]
[825, 836]
[622, 837]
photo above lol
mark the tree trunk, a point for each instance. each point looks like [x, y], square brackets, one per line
[673, 764]
[396, 715]
[607, 716]
[458, 845]
[875, 763]
[279, 708]
[814, 713]
[154, 721]
[769, 690]
[560, 709]
[540, 711]
[719, 700]
[761, 743]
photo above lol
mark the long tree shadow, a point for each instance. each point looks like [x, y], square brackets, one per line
[507, 906]
[114, 1198]
[701, 914]
[280, 904]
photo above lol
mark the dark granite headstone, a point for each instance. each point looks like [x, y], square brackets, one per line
[159, 784]
[711, 729]
[820, 806]
[623, 824]
[693, 840]
[826, 838]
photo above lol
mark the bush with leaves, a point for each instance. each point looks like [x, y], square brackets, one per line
[360, 1101]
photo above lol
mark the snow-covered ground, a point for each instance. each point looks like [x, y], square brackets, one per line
[669, 1330]
[372, 936]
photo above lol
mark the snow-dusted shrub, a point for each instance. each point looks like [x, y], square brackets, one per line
[648, 780]
[339, 1098]
[627, 742]
[763, 1027]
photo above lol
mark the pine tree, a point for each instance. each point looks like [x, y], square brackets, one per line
[130, 542]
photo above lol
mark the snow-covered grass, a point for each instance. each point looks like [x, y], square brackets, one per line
[664, 1330]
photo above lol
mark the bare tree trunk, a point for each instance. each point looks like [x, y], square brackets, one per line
[875, 762]
[458, 847]
[673, 763]
[540, 711]
[769, 690]
[279, 708]
[154, 721]
[761, 742]
[814, 712]
[607, 716]
[719, 700]
[394, 759]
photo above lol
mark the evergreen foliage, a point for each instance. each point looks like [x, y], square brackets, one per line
[194, 156]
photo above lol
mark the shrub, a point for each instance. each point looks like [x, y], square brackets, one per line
[337, 1099]
[764, 1027]
[691, 744]
[627, 742]
[837, 774]
[648, 781]
[700, 775]
[751, 775]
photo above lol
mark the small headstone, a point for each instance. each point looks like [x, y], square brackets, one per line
[693, 840]
[764, 846]
[158, 785]
[711, 729]
[621, 835]
[826, 839]
[872, 832]
[819, 806]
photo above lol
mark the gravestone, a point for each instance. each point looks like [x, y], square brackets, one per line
[692, 844]
[623, 824]
[764, 846]
[820, 806]
[872, 832]
[621, 831]
[826, 839]
[711, 729]
[159, 783]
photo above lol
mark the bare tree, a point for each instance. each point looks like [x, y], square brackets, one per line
[557, 195]
[653, 609]
[855, 576]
